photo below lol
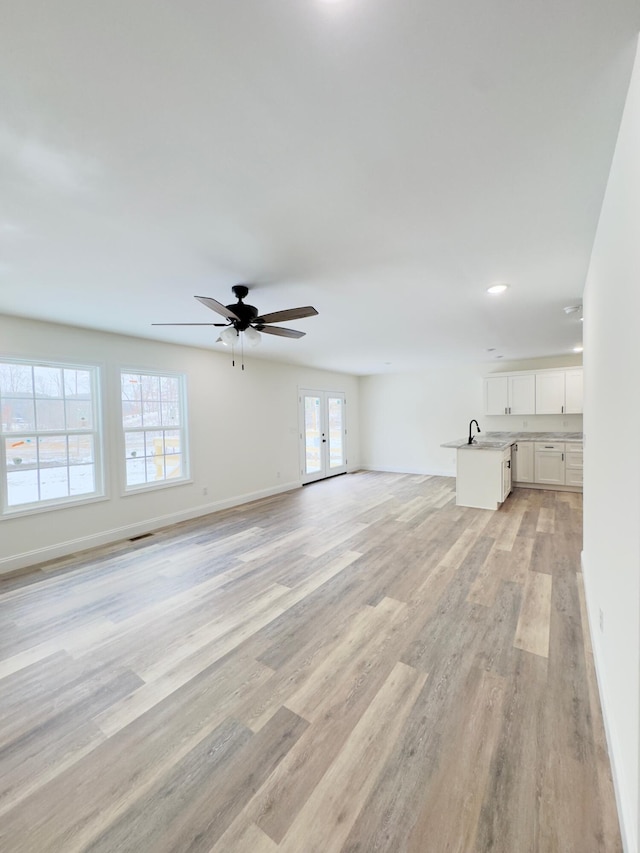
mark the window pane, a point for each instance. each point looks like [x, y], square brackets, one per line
[80, 449]
[312, 434]
[154, 445]
[171, 414]
[173, 465]
[134, 444]
[77, 384]
[81, 479]
[170, 388]
[53, 451]
[336, 431]
[130, 383]
[22, 487]
[131, 413]
[172, 441]
[16, 379]
[79, 414]
[22, 452]
[150, 386]
[151, 413]
[17, 414]
[136, 471]
[155, 468]
[49, 414]
[47, 381]
[53, 483]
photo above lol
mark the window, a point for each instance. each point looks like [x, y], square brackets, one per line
[154, 424]
[50, 434]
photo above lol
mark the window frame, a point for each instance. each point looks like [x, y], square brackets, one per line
[96, 432]
[152, 485]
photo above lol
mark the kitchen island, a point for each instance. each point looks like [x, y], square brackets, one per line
[484, 468]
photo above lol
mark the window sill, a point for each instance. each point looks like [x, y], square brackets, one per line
[154, 487]
[30, 509]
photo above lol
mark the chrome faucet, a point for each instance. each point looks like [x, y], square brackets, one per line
[471, 423]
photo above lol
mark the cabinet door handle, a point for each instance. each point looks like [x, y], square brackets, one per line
[562, 410]
[505, 410]
[508, 463]
[548, 447]
[563, 457]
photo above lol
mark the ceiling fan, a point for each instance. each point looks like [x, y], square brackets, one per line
[246, 319]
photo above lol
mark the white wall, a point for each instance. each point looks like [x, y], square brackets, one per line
[406, 417]
[612, 458]
[243, 436]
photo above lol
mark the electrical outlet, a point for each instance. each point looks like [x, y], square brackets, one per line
[525, 424]
[565, 423]
[277, 475]
[601, 621]
[205, 490]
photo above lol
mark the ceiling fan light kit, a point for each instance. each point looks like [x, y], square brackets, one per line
[244, 321]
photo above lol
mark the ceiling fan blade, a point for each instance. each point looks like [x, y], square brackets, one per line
[189, 324]
[280, 331]
[289, 314]
[218, 307]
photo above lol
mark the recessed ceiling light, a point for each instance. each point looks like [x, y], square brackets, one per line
[499, 356]
[578, 349]
[497, 288]
[491, 349]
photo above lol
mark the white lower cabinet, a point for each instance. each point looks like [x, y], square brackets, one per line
[549, 463]
[523, 462]
[506, 474]
[483, 477]
[573, 465]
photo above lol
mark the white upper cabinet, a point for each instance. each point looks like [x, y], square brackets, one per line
[542, 392]
[573, 391]
[496, 395]
[559, 392]
[550, 393]
[510, 395]
[522, 394]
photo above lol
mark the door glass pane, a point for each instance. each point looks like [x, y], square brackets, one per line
[312, 435]
[336, 432]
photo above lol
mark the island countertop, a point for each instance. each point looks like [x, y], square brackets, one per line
[502, 440]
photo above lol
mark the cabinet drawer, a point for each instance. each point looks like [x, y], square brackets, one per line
[574, 458]
[573, 477]
[550, 445]
[574, 446]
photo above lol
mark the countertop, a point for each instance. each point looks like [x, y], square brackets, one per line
[502, 440]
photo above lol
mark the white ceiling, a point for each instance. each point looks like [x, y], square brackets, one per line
[382, 160]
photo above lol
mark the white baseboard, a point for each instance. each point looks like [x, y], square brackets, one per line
[127, 531]
[384, 469]
[627, 828]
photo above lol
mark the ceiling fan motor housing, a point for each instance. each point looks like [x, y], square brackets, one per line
[246, 315]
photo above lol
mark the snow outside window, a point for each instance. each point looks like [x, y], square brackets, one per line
[50, 435]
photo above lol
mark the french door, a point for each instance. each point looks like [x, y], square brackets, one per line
[323, 434]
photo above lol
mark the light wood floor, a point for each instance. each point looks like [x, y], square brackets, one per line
[356, 666]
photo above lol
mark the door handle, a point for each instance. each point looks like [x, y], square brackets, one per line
[509, 463]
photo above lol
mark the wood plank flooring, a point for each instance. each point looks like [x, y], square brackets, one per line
[356, 666]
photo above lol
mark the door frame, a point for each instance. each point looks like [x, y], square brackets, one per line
[326, 471]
